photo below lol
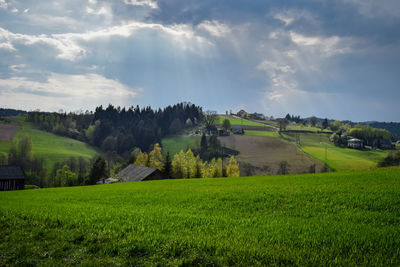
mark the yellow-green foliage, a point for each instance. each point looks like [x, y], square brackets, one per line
[186, 165]
[155, 158]
[142, 159]
[233, 168]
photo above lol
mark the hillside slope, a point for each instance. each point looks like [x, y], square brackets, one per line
[344, 219]
[52, 148]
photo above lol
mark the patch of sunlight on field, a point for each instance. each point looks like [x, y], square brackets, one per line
[344, 159]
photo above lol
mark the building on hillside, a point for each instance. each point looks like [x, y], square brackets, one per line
[11, 178]
[237, 129]
[241, 113]
[257, 116]
[135, 173]
[355, 143]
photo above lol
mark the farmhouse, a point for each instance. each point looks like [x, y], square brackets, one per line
[237, 129]
[355, 143]
[134, 173]
[11, 178]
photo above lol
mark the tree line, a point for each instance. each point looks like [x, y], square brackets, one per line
[117, 131]
[187, 165]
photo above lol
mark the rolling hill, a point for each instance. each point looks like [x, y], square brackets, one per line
[52, 148]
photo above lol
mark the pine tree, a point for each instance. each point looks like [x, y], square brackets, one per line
[233, 168]
[167, 167]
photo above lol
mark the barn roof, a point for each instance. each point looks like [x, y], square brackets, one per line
[11, 172]
[135, 173]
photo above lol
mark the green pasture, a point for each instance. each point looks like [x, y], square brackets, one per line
[332, 219]
[338, 158]
[262, 133]
[52, 148]
[236, 121]
[177, 143]
[301, 127]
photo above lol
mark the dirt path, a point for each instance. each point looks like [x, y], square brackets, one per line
[8, 130]
[264, 154]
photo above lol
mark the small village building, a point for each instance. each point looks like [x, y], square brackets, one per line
[241, 113]
[237, 129]
[355, 143]
[135, 173]
[11, 178]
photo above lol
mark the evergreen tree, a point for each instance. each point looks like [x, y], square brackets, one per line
[203, 143]
[98, 171]
[167, 168]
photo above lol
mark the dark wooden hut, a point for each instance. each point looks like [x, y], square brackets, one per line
[11, 178]
[134, 173]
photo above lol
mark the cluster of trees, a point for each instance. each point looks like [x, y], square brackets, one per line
[369, 135]
[187, 165]
[118, 130]
[21, 154]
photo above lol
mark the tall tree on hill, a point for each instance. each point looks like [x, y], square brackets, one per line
[283, 123]
[325, 123]
[167, 167]
[203, 143]
[226, 124]
[313, 121]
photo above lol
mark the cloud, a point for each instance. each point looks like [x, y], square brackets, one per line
[64, 91]
[215, 28]
[148, 3]
[73, 46]
[3, 4]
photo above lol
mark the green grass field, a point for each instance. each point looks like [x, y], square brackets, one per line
[177, 143]
[333, 219]
[301, 127]
[235, 121]
[52, 148]
[338, 158]
[262, 133]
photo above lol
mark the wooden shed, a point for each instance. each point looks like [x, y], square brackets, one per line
[11, 178]
[134, 173]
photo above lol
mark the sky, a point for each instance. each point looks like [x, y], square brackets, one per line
[336, 59]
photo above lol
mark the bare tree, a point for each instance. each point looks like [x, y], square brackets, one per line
[283, 123]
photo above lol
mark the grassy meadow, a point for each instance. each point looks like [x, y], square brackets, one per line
[237, 121]
[175, 144]
[338, 158]
[52, 148]
[343, 219]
